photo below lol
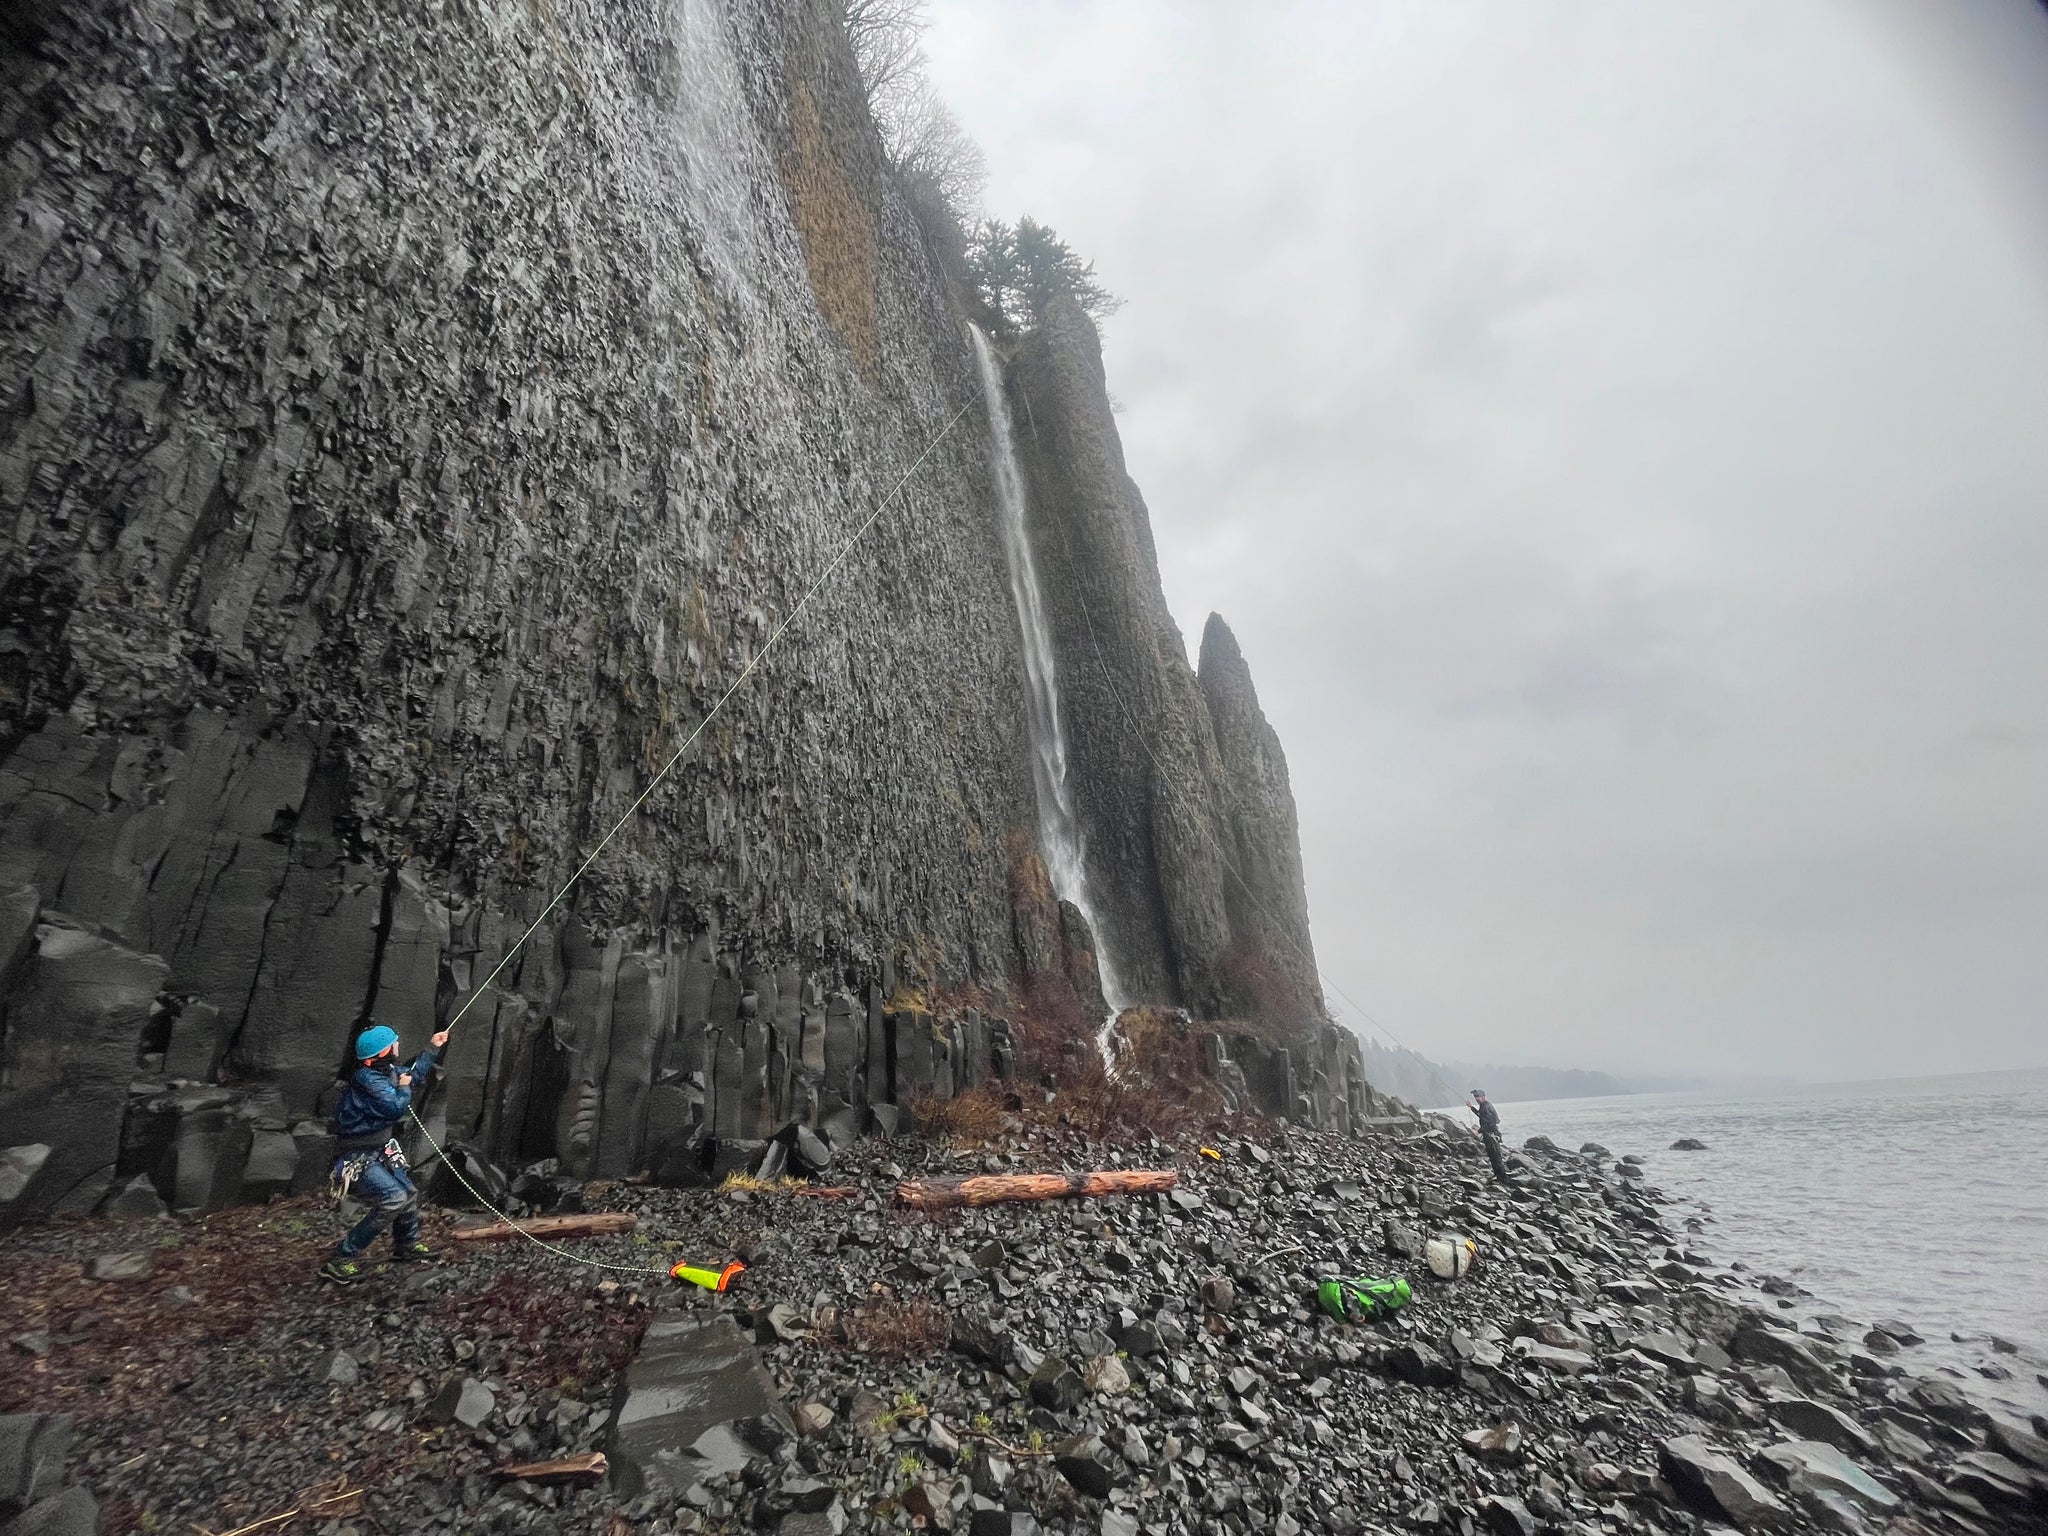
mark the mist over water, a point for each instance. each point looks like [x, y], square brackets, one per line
[1059, 827]
[1920, 1199]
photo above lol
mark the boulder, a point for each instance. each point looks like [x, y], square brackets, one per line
[1767, 1346]
[1056, 1387]
[1818, 1421]
[118, 1266]
[1812, 1464]
[464, 1401]
[74, 1512]
[688, 1377]
[272, 1166]
[1688, 1144]
[1496, 1442]
[1419, 1365]
[1942, 1401]
[76, 1008]
[18, 1169]
[1081, 1463]
[136, 1200]
[33, 1450]
[1105, 1376]
[1632, 1293]
[1714, 1485]
[2015, 1441]
[1665, 1348]
[337, 1367]
[1564, 1362]
[1996, 1481]
[809, 1152]
[212, 1154]
[1506, 1516]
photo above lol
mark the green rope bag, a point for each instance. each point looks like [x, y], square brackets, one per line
[1363, 1297]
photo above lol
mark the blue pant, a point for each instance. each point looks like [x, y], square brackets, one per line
[393, 1202]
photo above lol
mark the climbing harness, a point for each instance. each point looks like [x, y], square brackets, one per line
[632, 810]
[351, 1168]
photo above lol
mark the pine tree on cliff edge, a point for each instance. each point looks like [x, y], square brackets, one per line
[1019, 269]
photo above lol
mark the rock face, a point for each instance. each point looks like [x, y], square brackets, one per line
[410, 435]
[1182, 785]
[1268, 900]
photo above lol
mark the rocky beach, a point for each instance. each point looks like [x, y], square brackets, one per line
[1145, 1364]
[420, 428]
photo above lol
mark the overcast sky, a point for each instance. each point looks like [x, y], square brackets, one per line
[1618, 435]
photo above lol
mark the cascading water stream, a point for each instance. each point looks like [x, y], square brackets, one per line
[1059, 828]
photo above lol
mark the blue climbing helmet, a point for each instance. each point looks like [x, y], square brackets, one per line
[375, 1041]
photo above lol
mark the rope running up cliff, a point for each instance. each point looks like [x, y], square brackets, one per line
[774, 638]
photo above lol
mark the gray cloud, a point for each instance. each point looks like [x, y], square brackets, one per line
[1616, 435]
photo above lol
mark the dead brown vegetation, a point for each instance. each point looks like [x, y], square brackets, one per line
[1265, 982]
[976, 1115]
[1161, 1086]
[897, 1327]
[837, 229]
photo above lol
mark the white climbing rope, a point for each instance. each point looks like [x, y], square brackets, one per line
[540, 1243]
[652, 784]
[723, 699]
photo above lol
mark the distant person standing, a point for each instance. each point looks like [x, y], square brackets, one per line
[1489, 1132]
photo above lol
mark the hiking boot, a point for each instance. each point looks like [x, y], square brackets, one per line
[414, 1252]
[343, 1271]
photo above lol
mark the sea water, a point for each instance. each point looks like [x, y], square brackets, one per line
[1924, 1200]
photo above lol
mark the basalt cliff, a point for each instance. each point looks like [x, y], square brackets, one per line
[415, 420]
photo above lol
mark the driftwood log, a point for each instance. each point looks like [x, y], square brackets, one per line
[590, 1224]
[590, 1465]
[999, 1188]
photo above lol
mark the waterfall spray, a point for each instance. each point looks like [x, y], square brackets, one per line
[1059, 827]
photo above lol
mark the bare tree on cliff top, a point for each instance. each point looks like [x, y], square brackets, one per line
[922, 138]
[1020, 269]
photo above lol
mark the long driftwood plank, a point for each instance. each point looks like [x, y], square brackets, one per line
[999, 1188]
[590, 1224]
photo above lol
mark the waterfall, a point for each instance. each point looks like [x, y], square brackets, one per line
[1059, 828]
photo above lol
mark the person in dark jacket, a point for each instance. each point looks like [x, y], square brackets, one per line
[1489, 1132]
[367, 1159]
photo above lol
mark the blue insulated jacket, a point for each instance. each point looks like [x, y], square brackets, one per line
[375, 1100]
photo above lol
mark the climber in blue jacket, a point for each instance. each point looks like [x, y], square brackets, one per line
[367, 1159]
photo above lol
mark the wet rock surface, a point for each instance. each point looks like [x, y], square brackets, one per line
[1118, 1365]
[394, 493]
[411, 426]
